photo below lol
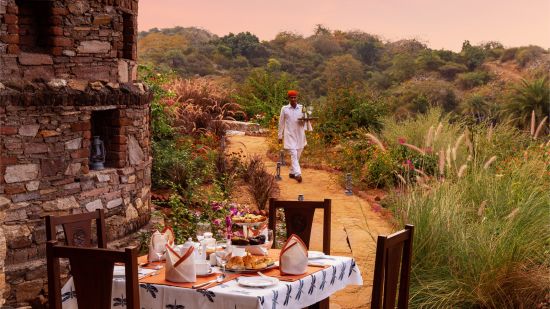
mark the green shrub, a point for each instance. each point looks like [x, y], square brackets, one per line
[451, 69]
[473, 79]
[509, 54]
[380, 170]
[182, 164]
[481, 241]
[525, 55]
[414, 97]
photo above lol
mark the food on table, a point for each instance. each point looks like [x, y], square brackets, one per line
[257, 240]
[248, 262]
[235, 263]
[256, 262]
[249, 218]
[239, 241]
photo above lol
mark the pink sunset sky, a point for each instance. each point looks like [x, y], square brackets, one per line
[438, 23]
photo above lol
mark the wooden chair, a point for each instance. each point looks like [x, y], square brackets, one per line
[92, 270]
[392, 268]
[78, 228]
[299, 219]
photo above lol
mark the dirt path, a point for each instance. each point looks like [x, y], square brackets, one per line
[352, 219]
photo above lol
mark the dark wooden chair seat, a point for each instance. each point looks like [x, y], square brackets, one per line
[392, 270]
[78, 228]
[92, 271]
[299, 221]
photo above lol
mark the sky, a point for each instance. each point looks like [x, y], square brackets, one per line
[438, 23]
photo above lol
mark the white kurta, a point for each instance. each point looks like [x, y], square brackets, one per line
[292, 130]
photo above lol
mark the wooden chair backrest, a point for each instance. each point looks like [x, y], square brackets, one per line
[392, 270]
[92, 271]
[299, 219]
[78, 228]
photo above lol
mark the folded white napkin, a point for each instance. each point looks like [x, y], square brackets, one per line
[180, 267]
[158, 243]
[293, 259]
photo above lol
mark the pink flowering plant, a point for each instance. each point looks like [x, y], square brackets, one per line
[184, 216]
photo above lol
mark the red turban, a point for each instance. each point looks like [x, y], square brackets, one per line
[292, 93]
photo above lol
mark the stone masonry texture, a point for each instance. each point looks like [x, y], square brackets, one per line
[67, 74]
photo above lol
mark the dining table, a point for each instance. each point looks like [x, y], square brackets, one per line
[326, 274]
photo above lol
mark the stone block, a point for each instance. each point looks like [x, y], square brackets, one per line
[4, 202]
[35, 59]
[131, 213]
[17, 236]
[25, 197]
[74, 144]
[32, 185]
[16, 215]
[68, 53]
[93, 47]
[135, 152]
[78, 7]
[49, 133]
[78, 154]
[114, 203]
[21, 172]
[14, 188]
[29, 130]
[31, 148]
[51, 167]
[73, 169]
[60, 41]
[103, 177]
[81, 126]
[5, 130]
[94, 192]
[38, 72]
[123, 71]
[102, 19]
[92, 206]
[64, 203]
[29, 290]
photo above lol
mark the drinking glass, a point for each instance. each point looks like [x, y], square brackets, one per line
[224, 254]
[310, 110]
[269, 241]
[160, 251]
[202, 227]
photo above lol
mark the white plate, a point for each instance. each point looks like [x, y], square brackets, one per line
[258, 282]
[315, 255]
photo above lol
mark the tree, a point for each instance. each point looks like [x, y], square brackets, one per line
[473, 55]
[528, 96]
[342, 71]
[264, 92]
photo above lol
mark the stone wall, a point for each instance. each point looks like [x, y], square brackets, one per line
[45, 139]
[72, 39]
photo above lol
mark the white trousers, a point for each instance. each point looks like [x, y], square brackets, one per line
[295, 161]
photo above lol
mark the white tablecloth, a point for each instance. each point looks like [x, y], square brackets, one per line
[298, 294]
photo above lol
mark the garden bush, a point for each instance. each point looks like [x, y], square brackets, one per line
[481, 240]
[473, 79]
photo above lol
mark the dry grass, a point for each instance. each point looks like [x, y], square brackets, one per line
[201, 105]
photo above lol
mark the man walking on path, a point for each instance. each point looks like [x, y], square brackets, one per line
[293, 131]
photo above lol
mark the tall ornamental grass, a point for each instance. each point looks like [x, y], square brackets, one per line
[482, 238]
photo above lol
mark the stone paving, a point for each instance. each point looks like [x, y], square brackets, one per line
[355, 226]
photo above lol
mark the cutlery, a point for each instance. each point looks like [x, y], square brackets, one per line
[218, 279]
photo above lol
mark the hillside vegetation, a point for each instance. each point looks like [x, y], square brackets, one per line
[459, 140]
[407, 75]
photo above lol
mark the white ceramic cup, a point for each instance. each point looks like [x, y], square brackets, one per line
[202, 267]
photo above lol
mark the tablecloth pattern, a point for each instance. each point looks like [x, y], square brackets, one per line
[298, 294]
